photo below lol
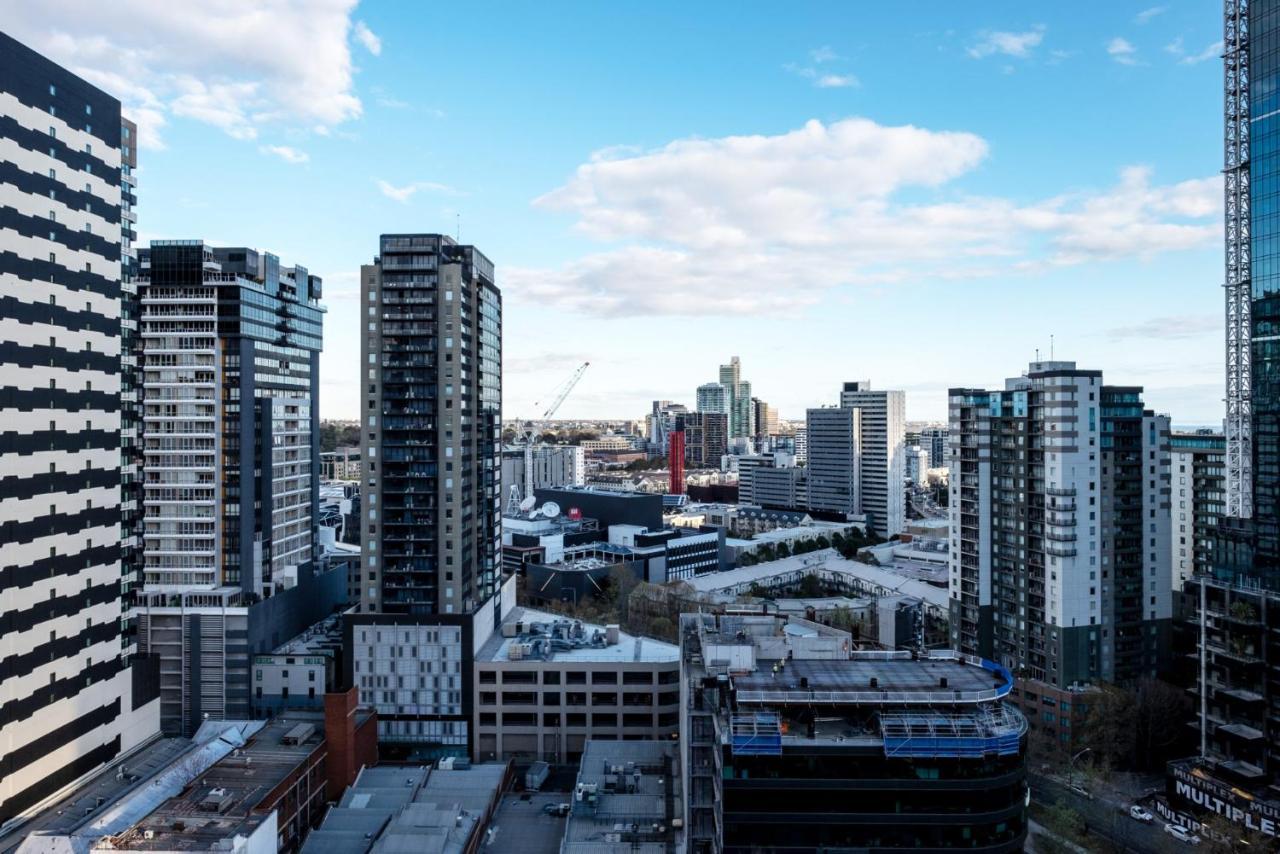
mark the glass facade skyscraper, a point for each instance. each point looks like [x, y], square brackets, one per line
[1250, 547]
[1264, 182]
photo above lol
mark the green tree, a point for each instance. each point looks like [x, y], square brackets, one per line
[783, 550]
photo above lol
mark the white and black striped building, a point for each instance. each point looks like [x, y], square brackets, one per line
[72, 695]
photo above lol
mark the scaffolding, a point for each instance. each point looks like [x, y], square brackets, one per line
[1239, 428]
[757, 734]
[994, 730]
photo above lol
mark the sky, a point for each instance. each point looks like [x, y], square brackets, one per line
[923, 194]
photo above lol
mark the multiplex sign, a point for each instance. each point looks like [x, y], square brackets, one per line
[1237, 807]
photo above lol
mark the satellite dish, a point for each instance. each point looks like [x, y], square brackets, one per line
[527, 504]
[551, 510]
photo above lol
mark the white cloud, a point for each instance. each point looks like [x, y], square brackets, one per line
[835, 81]
[1011, 44]
[822, 80]
[403, 193]
[1175, 47]
[823, 54]
[285, 153]
[768, 224]
[1212, 51]
[1146, 15]
[366, 37]
[1165, 328]
[1122, 51]
[234, 64]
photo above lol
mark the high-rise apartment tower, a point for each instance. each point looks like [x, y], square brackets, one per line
[73, 694]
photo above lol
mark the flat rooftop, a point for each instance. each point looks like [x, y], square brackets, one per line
[625, 784]
[826, 563]
[897, 676]
[222, 802]
[99, 793]
[410, 810]
[629, 648]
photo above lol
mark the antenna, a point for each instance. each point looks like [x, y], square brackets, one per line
[458, 231]
[551, 510]
[1050, 346]
[527, 504]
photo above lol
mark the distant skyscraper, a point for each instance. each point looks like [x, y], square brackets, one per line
[833, 460]
[737, 400]
[934, 440]
[75, 695]
[1059, 508]
[883, 465]
[713, 397]
[766, 418]
[706, 438]
[432, 340]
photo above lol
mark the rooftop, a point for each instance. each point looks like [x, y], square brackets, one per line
[625, 799]
[223, 802]
[542, 636]
[864, 578]
[323, 638]
[414, 810]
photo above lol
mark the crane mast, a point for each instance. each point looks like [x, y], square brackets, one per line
[531, 429]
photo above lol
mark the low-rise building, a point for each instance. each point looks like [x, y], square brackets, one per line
[298, 673]
[440, 810]
[545, 685]
[626, 800]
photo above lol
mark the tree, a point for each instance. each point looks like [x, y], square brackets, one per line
[783, 550]
[1221, 836]
[1160, 714]
[1064, 821]
[1110, 727]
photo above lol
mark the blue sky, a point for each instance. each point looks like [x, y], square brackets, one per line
[915, 193]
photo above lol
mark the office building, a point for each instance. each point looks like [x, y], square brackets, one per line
[1235, 774]
[546, 685]
[882, 467]
[76, 696]
[231, 470]
[706, 438]
[784, 488]
[800, 445]
[766, 418]
[917, 465]
[834, 454]
[1253, 352]
[1199, 498]
[713, 397]
[298, 673]
[737, 400]
[431, 336]
[790, 741]
[553, 465]
[1059, 503]
[934, 440]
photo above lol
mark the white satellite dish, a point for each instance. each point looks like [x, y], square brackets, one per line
[527, 504]
[551, 510]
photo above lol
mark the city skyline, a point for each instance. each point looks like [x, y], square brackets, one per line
[992, 213]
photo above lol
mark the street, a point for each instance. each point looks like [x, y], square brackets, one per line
[1106, 816]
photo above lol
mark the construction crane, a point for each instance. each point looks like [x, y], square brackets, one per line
[558, 397]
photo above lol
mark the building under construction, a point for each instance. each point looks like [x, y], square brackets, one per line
[793, 742]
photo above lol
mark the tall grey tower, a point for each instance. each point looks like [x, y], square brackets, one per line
[431, 335]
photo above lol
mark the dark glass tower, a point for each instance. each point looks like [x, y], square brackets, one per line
[1252, 172]
[431, 332]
